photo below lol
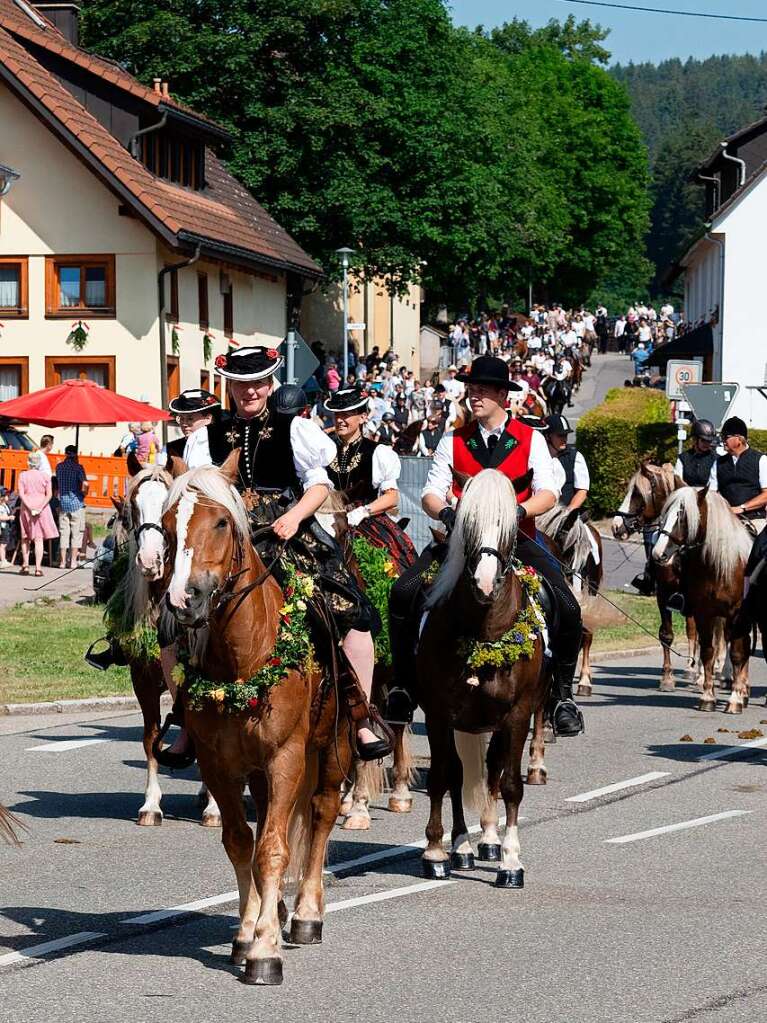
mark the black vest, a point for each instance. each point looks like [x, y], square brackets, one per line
[353, 474]
[696, 467]
[567, 461]
[218, 445]
[739, 482]
[266, 454]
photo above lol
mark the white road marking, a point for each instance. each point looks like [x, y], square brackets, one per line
[37, 951]
[185, 907]
[697, 822]
[63, 745]
[731, 751]
[392, 893]
[641, 779]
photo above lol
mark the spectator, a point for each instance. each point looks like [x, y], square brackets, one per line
[72, 488]
[387, 431]
[147, 446]
[130, 440]
[36, 520]
[372, 360]
[46, 446]
[6, 518]
[332, 377]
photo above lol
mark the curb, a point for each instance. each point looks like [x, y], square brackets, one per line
[598, 656]
[71, 706]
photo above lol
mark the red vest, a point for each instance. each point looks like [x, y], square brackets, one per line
[511, 457]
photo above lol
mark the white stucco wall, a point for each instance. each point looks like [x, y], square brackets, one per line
[58, 207]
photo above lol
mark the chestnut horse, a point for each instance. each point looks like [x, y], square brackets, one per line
[293, 747]
[639, 512]
[478, 596]
[712, 547]
[578, 546]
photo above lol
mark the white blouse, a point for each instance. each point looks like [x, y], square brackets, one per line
[386, 468]
[197, 449]
[313, 451]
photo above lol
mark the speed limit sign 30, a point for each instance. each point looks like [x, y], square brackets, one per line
[680, 373]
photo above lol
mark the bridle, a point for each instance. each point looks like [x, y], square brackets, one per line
[506, 563]
[146, 527]
[635, 522]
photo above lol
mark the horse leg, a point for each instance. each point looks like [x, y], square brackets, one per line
[666, 637]
[358, 799]
[306, 925]
[211, 815]
[584, 682]
[286, 772]
[536, 769]
[148, 690]
[511, 873]
[707, 701]
[692, 644]
[401, 800]
[461, 852]
[435, 861]
[739, 649]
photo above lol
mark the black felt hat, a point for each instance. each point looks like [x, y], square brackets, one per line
[488, 369]
[195, 399]
[558, 425]
[246, 364]
[347, 399]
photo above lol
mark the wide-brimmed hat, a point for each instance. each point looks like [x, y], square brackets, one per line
[347, 399]
[248, 364]
[195, 399]
[488, 369]
[558, 425]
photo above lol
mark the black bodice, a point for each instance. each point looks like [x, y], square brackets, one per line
[351, 471]
[266, 454]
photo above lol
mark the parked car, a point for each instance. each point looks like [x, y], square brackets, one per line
[14, 438]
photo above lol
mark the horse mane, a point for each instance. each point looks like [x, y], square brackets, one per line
[210, 482]
[727, 543]
[487, 516]
[576, 544]
[641, 483]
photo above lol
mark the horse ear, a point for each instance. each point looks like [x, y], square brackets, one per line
[134, 466]
[460, 478]
[570, 519]
[176, 466]
[702, 495]
[230, 468]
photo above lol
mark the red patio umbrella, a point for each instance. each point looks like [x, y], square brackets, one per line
[78, 403]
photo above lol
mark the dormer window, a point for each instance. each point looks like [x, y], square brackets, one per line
[175, 158]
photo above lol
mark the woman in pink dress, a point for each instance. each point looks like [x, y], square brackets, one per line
[36, 518]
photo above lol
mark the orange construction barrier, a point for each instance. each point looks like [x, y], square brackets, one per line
[107, 477]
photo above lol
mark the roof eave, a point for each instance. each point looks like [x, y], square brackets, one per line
[186, 117]
[235, 253]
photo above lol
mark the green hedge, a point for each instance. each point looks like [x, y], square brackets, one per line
[630, 424]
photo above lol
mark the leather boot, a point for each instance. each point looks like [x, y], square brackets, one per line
[566, 716]
[644, 583]
[400, 702]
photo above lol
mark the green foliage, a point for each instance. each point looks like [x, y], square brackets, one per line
[378, 573]
[629, 425]
[138, 639]
[758, 439]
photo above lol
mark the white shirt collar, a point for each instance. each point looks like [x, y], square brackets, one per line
[196, 449]
[491, 433]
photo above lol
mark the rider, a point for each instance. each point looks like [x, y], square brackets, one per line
[740, 475]
[571, 474]
[694, 465]
[491, 440]
[197, 411]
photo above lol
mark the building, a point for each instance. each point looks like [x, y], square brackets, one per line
[107, 183]
[723, 269]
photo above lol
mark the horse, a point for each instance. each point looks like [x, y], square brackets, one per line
[479, 597]
[577, 377]
[557, 394]
[406, 440]
[133, 612]
[712, 547]
[578, 545]
[647, 492]
[257, 707]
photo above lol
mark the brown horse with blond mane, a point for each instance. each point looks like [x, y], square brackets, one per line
[291, 743]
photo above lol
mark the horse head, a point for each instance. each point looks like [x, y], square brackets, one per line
[207, 529]
[682, 525]
[142, 513]
[646, 494]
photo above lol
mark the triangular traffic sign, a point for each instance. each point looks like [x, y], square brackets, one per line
[305, 362]
[711, 401]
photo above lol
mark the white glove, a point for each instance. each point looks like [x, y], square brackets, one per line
[357, 515]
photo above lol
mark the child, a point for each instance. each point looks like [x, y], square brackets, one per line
[5, 526]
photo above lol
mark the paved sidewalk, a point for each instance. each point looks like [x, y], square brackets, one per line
[18, 589]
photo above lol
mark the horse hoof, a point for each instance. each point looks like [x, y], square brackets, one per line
[707, 705]
[306, 932]
[582, 690]
[262, 971]
[356, 822]
[149, 819]
[400, 805]
[667, 685]
[734, 708]
[489, 852]
[536, 776]
[211, 820]
[282, 913]
[461, 861]
[510, 878]
[240, 951]
[436, 870]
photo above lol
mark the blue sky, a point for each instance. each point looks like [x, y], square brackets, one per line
[633, 35]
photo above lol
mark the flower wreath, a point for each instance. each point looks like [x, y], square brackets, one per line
[379, 574]
[292, 651]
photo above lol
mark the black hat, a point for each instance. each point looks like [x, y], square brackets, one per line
[534, 422]
[387, 417]
[734, 427]
[347, 399]
[248, 363]
[488, 369]
[288, 400]
[195, 399]
[557, 424]
[704, 429]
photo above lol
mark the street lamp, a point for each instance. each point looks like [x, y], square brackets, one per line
[344, 254]
[7, 178]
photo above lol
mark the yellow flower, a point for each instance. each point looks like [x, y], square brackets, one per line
[219, 695]
[390, 569]
[286, 609]
[308, 587]
[178, 675]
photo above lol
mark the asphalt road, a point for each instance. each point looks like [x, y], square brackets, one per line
[659, 929]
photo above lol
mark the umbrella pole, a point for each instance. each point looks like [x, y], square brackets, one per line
[77, 437]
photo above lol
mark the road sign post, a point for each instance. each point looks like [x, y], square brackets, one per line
[711, 401]
[300, 362]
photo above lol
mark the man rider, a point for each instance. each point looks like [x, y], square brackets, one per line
[740, 475]
[571, 474]
[694, 465]
[491, 440]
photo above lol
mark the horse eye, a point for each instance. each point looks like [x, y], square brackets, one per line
[221, 524]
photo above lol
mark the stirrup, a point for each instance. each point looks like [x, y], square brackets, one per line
[676, 603]
[384, 745]
[399, 707]
[578, 714]
[175, 761]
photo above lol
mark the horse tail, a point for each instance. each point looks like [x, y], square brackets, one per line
[407, 760]
[372, 777]
[300, 829]
[10, 825]
[472, 749]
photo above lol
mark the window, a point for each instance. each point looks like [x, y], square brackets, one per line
[171, 304]
[174, 376]
[98, 368]
[202, 300]
[14, 376]
[205, 380]
[13, 286]
[175, 158]
[229, 312]
[80, 285]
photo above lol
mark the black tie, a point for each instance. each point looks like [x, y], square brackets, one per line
[492, 440]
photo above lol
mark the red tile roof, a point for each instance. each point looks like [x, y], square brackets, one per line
[226, 213]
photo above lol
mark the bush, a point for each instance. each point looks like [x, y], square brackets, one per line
[631, 424]
[758, 439]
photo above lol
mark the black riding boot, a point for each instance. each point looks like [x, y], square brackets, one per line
[401, 701]
[110, 657]
[566, 717]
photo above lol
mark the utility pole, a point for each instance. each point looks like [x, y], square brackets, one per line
[344, 254]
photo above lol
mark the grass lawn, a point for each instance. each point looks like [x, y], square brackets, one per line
[618, 635]
[41, 652]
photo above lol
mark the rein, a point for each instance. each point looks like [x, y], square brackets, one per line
[506, 564]
[225, 593]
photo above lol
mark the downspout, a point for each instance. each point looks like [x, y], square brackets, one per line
[735, 159]
[718, 355]
[715, 182]
[133, 147]
[161, 316]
